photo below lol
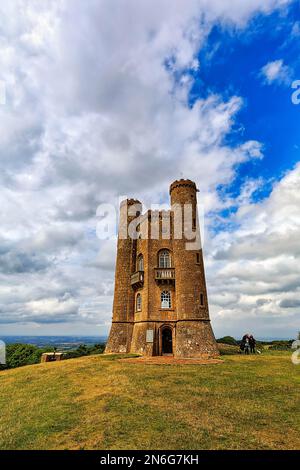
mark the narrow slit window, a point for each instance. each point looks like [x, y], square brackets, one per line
[201, 300]
[138, 302]
[140, 263]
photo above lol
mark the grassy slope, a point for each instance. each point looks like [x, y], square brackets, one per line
[99, 403]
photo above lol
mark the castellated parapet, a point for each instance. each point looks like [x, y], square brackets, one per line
[160, 299]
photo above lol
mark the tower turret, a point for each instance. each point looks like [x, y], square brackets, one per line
[194, 336]
[123, 307]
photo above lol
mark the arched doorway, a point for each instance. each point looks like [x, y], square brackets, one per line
[166, 341]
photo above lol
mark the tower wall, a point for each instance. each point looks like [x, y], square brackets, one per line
[123, 307]
[152, 316]
[194, 336]
[139, 344]
[195, 339]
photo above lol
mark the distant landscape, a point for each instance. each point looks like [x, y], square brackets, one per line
[27, 350]
[63, 343]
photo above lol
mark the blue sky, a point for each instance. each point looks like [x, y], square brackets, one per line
[104, 101]
[231, 64]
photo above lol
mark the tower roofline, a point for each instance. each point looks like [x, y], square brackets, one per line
[130, 202]
[183, 183]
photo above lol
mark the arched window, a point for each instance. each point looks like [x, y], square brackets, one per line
[138, 304]
[140, 263]
[164, 259]
[165, 299]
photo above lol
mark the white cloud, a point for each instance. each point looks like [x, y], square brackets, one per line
[276, 72]
[258, 264]
[53, 310]
[93, 112]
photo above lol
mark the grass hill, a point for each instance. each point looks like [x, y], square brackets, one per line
[98, 402]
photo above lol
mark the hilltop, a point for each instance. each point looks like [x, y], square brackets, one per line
[99, 402]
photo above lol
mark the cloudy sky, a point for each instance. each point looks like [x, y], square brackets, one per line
[105, 98]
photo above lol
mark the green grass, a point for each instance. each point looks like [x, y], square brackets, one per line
[98, 402]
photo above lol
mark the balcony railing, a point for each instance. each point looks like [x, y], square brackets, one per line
[137, 279]
[165, 275]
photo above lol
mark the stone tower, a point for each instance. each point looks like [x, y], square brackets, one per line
[160, 300]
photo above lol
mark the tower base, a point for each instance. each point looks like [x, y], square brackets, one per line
[139, 344]
[195, 339]
[119, 341]
[190, 339]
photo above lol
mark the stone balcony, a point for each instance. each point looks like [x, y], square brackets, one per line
[165, 275]
[137, 279]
